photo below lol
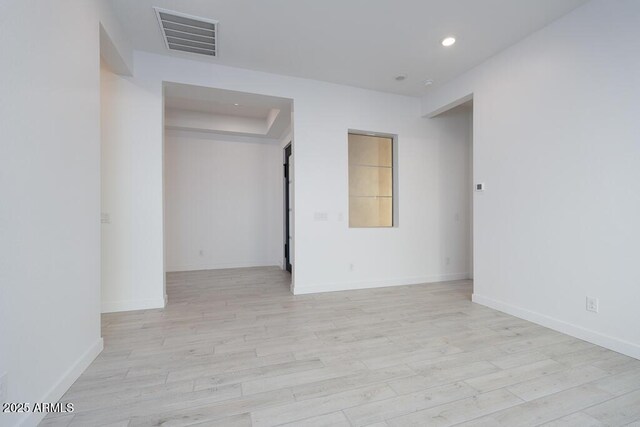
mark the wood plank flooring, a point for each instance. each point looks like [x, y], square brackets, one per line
[235, 348]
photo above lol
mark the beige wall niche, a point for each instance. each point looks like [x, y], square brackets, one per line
[370, 181]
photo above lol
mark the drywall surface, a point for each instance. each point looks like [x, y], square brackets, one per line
[223, 203]
[556, 141]
[50, 186]
[132, 238]
[328, 254]
[454, 131]
[215, 122]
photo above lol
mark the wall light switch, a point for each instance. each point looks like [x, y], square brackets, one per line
[480, 186]
[321, 216]
[592, 304]
[105, 218]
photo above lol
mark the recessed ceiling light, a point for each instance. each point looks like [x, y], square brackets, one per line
[428, 82]
[237, 105]
[448, 41]
[400, 77]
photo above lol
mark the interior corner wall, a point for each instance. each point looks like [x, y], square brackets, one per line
[556, 143]
[223, 202]
[50, 210]
[454, 131]
[132, 208]
[115, 49]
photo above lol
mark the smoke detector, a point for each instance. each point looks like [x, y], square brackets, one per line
[188, 33]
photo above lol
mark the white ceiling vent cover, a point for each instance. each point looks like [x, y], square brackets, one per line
[188, 33]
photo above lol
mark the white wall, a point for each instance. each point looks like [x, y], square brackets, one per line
[556, 140]
[223, 203]
[50, 187]
[414, 252]
[132, 240]
[454, 130]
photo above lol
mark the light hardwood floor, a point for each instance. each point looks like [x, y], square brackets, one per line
[235, 348]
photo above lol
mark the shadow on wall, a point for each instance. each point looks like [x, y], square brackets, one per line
[456, 187]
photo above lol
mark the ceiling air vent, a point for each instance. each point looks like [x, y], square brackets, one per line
[188, 33]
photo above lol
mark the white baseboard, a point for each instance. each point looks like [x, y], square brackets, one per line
[612, 343]
[68, 378]
[349, 286]
[220, 266]
[131, 305]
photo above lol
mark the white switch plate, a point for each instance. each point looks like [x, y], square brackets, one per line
[321, 216]
[3, 388]
[592, 304]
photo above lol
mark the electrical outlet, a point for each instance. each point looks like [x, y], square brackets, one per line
[351, 267]
[3, 388]
[592, 304]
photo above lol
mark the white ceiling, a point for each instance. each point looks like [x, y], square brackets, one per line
[226, 112]
[215, 107]
[363, 43]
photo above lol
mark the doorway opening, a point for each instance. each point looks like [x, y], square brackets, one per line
[223, 193]
[288, 208]
[455, 124]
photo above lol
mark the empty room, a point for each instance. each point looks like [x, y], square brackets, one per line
[320, 213]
